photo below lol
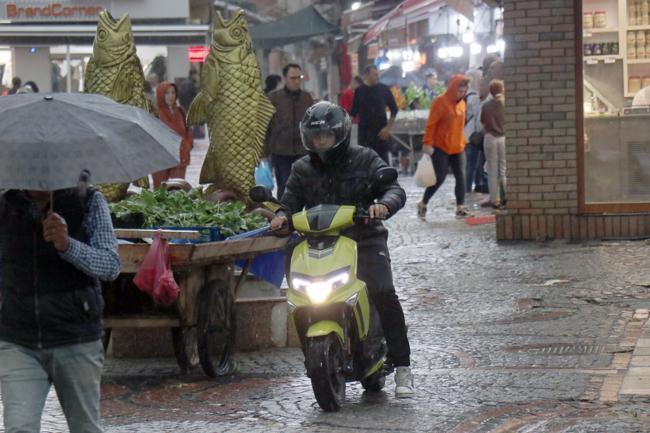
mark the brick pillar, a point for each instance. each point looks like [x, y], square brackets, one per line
[540, 76]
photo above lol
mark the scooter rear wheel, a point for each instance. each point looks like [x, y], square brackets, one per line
[324, 361]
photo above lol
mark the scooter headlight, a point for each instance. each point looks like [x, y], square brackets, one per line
[319, 289]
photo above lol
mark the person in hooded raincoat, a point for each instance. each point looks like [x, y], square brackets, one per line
[444, 139]
[174, 117]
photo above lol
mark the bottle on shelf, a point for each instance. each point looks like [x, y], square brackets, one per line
[600, 19]
[644, 12]
[631, 13]
[587, 21]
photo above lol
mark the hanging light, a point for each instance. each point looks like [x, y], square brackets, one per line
[501, 45]
[468, 37]
[355, 6]
[475, 48]
[491, 49]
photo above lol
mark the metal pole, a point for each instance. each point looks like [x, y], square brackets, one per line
[68, 76]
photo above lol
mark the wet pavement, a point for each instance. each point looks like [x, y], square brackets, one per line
[506, 337]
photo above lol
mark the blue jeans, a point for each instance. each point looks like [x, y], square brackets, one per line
[26, 376]
[474, 171]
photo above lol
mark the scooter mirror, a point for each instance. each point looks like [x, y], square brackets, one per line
[260, 194]
[384, 176]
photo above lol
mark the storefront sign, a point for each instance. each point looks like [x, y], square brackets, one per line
[197, 54]
[51, 11]
[88, 10]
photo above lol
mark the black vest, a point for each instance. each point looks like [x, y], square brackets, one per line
[44, 300]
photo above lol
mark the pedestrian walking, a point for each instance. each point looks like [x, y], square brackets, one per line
[174, 117]
[16, 83]
[51, 263]
[474, 135]
[271, 83]
[347, 96]
[444, 139]
[493, 119]
[283, 144]
[371, 100]
[188, 89]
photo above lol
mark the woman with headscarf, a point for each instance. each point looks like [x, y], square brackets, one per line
[444, 139]
[174, 117]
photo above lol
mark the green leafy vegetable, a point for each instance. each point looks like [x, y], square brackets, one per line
[161, 208]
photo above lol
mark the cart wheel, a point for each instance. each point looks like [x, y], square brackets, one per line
[184, 340]
[215, 331]
[106, 338]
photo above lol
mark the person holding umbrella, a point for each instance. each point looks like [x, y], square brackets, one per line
[57, 243]
[50, 328]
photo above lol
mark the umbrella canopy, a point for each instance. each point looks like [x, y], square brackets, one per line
[47, 140]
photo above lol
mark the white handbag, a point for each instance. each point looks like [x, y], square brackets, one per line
[425, 175]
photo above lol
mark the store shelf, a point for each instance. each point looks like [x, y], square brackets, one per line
[591, 32]
[631, 28]
[638, 61]
[604, 59]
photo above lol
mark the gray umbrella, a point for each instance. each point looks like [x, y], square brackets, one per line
[47, 140]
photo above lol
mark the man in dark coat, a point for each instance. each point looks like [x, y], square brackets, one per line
[331, 174]
[371, 100]
[283, 145]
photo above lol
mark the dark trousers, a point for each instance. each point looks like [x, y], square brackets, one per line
[282, 168]
[374, 268]
[370, 139]
[475, 171]
[441, 163]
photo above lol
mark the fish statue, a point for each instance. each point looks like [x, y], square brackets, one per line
[114, 70]
[234, 106]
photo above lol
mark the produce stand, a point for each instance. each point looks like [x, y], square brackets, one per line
[201, 319]
[409, 125]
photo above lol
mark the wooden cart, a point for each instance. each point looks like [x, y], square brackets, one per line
[201, 319]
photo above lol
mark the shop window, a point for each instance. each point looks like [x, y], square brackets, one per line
[616, 117]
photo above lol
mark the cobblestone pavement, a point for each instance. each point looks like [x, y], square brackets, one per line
[506, 337]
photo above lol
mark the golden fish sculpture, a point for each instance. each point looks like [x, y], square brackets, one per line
[115, 71]
[232, 103]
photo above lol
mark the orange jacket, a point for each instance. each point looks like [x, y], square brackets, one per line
[175, 121]
[446, 124]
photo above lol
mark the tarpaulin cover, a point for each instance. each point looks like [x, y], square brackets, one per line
[268, 266]
[299, 26]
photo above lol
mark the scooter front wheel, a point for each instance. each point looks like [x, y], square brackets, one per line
[324, 361]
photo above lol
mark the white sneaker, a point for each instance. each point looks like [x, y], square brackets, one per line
[404, 383]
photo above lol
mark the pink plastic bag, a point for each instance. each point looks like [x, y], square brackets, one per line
[155, 275]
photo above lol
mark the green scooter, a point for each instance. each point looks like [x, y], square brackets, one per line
[339, 328]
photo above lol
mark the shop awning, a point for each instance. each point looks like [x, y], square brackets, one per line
[151, 34]
[300, 26]
[413, 10]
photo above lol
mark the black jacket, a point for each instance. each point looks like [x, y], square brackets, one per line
[44, 300]
[312, 183]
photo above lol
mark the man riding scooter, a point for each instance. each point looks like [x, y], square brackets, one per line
[331, 174]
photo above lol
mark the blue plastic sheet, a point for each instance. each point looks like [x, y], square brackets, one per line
[268, 266]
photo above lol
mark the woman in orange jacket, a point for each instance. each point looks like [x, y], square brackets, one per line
[444, 140]
[174, 117]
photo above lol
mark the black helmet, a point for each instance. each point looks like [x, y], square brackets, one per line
[325, 118]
